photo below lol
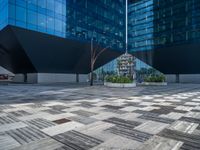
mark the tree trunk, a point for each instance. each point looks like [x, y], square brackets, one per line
[91, 78]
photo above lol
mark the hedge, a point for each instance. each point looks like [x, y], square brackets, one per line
[155, 78]
[118, 79]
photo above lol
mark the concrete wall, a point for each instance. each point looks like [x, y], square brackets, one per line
[171, 78]
[18, 78]
[50, 78]
[58, 78]
[184, 78]
[71, 78]
[31, 78]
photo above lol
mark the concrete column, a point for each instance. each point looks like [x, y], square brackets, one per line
[77, 78]
[177, 78]
[25, 77]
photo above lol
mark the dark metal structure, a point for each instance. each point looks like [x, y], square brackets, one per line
[26, 51]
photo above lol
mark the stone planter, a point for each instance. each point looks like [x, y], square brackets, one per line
[120, 85]
[154, 83]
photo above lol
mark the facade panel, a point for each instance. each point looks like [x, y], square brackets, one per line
[163, 29]
[161, 23]
[105, 20]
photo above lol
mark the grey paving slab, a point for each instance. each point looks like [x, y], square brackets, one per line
[79, 117]
[54, 130]
[189, 119]
[156, 118]
[122, 123]
[26, 135]
[76, 140]
[151, 127]
[83, 119]
[130, 133]
[116, 111]
[54, 111]
[8, 119]
[40, 123]
[183, 126]
[190, 141]
[7, 142]
[43, 144]
[116, 141]
[84, 113]
[160, 143]
[19, 113]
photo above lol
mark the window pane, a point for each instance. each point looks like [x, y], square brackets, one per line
[32, 17]
[20, 14]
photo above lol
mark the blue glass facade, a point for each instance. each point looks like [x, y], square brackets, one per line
[105, 17]
[165, 34]
[4, 13]
[79, 19]
[159, 23]
[47, 16]
[140, 19]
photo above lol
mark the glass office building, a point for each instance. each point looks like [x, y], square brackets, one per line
[166, 34]
[70, 18]
[76, 20]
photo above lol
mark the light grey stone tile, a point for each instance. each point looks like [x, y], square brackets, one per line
[186, 127]
[11, 126]
[118, 143]
[43, 144]
[160, 143]
[62, 128]
[7, 142]
[151, 127]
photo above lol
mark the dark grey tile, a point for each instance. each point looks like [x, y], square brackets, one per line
[2, 107]
[7, 119]
[156, 118]
[112, 107]
[83, 119]
[191, 141]
[145, 112]
[189, 119]
[58, 107]
[40, 123]
[61, 121]
[130, 133]
[26, 135]
[122, 123]
[77, 141]
[19, 113]
[84, 113]
[54, 111]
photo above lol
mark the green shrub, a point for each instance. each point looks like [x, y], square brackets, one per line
[118, 79]
[155, 78]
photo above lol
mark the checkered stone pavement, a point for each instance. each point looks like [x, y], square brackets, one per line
[78, 117]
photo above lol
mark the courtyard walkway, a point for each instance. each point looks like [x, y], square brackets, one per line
[79, 117]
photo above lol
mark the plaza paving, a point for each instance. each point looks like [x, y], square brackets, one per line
[70, 117]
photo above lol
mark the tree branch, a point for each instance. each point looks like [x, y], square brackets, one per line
[104, 49]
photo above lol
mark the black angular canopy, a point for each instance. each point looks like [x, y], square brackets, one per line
[25, 51]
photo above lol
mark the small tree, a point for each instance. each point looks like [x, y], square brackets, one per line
[95, 53]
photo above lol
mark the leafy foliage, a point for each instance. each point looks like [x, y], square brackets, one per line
[155, 78]
[118, 79]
